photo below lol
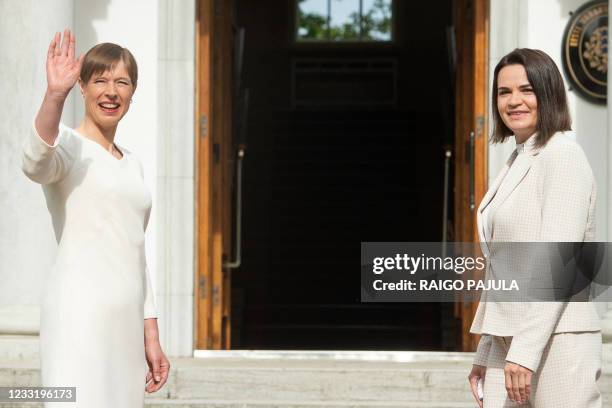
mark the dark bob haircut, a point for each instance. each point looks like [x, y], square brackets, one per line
[549, 89]
[103, 57]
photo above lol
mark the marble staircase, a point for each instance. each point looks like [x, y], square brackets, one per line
[293, 379]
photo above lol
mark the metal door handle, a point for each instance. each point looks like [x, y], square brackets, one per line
[472, 172]
[447, 158]
[236, 262]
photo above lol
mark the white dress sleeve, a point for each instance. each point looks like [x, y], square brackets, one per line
[44, 163]
[150, 309]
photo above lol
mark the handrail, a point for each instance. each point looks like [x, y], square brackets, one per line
[237, 261]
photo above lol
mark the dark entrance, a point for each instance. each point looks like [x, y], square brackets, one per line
[346, 144]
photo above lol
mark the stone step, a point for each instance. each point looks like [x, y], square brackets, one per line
[18, 347]
[219, 380]
[305, 379]
[274, 404]
[295, 404]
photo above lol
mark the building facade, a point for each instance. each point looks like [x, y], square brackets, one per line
[166, 130]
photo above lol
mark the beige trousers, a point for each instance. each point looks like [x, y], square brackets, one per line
[567, 377]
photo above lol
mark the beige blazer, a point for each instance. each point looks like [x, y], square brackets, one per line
[550, 198]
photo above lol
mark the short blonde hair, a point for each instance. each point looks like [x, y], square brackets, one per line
[104, 57]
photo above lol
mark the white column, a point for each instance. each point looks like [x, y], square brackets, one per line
[27, 243]
[176, 178]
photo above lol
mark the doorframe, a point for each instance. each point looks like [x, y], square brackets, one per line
[213, 116]
[471, 173]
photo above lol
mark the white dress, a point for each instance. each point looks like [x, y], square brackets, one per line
[98, 291]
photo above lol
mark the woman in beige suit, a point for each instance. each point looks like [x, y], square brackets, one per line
[540, 354]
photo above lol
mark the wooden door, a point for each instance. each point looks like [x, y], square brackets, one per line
[214, 67]
[214, 173]
[471, 133]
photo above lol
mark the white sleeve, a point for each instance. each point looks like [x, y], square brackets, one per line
[44, 163]
[150, 309]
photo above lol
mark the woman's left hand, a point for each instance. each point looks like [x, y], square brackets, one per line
[518, 382]
[159, 366]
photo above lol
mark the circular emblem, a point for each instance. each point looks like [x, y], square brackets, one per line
[585, 51]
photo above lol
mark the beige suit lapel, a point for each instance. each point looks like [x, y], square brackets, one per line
[495, 185]
[523, 164]
[490, 194]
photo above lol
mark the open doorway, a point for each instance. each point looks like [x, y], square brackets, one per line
[346, 144]
[346, 132]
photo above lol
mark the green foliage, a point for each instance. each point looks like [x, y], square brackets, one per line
[377, 20]
[313, 26]
[347, 31]
[373, 25]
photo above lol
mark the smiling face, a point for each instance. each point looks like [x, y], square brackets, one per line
[516, 102]
[107, 95]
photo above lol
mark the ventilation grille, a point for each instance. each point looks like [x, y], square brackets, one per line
[344, 82]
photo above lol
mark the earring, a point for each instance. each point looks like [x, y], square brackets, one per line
[131, 100]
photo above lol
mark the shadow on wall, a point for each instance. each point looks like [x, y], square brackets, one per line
[569, 6]
[86, 12]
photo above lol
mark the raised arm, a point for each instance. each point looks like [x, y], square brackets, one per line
[62, 73]
[44, 159]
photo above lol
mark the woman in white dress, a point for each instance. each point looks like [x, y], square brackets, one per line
[98, 321]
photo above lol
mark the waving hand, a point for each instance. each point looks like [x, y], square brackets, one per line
[62, 73]
[62, 68]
